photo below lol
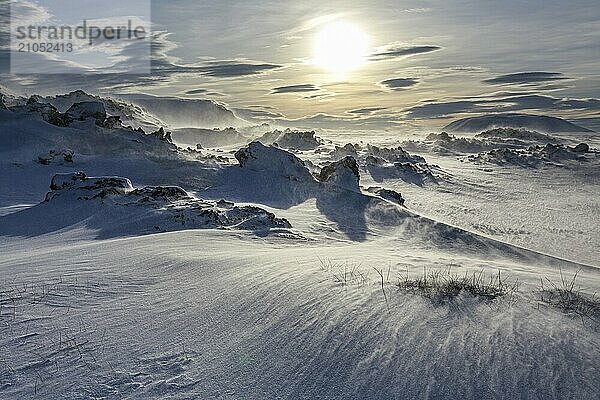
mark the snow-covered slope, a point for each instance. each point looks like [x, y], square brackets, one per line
[187, 113]
[540, 123]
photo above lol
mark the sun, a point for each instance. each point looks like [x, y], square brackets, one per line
[341, 47]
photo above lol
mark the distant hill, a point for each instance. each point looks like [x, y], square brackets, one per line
[539, 123]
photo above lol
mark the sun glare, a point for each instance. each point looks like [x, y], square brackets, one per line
[341, 47]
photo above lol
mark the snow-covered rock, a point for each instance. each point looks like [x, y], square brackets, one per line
[349, 149]
[294, 140]
[162, 135]
[87, 109]
[208, 137]
[582, 148]
[112, 122]
[82, 187]
[416, 173]
[258, 157]
[387, 194]
[154, 208]
[45, 111]
[397, 154]
[343, 173]
[533, 156]
[60, 157]
[518, 134]
[130, 114]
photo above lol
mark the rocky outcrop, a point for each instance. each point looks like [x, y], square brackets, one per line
[516, 134]
[162, 135]
[112, 122]
[343, 173]
[60, 157]
[394, 154]
[534, 156]
[82, 187]
[87, 109]
[157, 208]
[293, 140]
[258, 157]
[387, 194]
[349, 149]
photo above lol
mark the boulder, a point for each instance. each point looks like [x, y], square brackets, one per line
[387, 194]
[258, 157]
[581, 148]
[343, 173]
[85, 188]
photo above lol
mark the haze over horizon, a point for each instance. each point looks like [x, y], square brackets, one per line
[359, 64]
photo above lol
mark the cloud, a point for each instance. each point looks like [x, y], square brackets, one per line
[399, 83]
[314, 23]
[234, 69]
[366, 110]
[258, 114]
[396, 50]
[204, 92]
[197, 91]
[417, 10]
[165, 69]
[441, 109]
[302, 88]
[526, 78]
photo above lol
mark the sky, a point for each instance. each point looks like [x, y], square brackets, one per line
[422, 63]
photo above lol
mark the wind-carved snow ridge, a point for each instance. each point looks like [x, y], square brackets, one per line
[114, 207]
